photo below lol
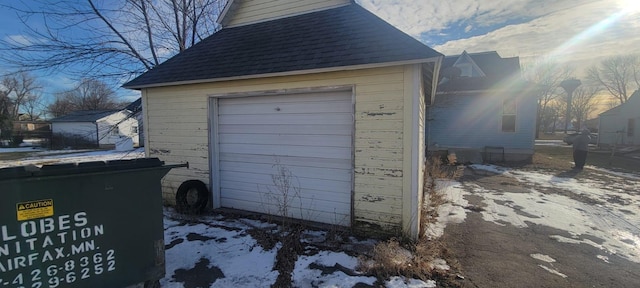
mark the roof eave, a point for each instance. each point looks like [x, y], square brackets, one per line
[225, 11]
[287, 73]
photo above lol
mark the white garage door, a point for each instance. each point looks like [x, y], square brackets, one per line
[287, 155]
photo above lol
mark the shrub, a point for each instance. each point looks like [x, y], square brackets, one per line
[64, 140]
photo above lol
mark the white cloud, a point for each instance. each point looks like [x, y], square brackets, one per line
[553, 26]
[19, 39]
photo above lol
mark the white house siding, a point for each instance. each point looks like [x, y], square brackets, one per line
[176, 130]
[86, 130]
[474, 121]
[253, 11]
[108, 136]
[613, 128]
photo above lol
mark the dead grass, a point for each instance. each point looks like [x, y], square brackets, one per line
[416, 259]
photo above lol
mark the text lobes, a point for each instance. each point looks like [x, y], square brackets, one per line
[44, 225]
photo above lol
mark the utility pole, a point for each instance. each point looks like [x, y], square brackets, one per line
[569, 86]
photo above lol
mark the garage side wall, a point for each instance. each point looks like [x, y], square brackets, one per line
[256, 11]
[176, 130]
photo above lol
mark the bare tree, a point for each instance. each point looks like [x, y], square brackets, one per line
[547, 75]
[584, 102]
[20, 88]
[33, 106]
[107, 38]
[89, 94]
[619, 75]
[5, 119]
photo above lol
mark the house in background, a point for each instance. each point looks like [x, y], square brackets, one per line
[30, 129]
[136, 111]
[621, 124]
[324, 89]
[483, 110]
[103, 128]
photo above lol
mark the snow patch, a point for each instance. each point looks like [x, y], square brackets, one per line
[401, 282]
[542, 257]
[553, 271]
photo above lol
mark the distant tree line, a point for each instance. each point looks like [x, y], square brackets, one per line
[21, 98]
[616, 77]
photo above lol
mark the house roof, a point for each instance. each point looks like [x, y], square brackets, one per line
[339, 37]
[495, 68]
[84, 116]
[616, 110]
[135, 106]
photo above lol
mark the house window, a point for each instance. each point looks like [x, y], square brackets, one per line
[509, 115]
[631, 126]
[134, 129]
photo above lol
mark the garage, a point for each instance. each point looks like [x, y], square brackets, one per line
[323, 96]
[288, 154]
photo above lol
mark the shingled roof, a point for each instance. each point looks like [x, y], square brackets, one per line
[84, 116]
[339, 37]
[496, 69]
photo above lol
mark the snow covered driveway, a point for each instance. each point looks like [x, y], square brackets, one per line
[556, 229]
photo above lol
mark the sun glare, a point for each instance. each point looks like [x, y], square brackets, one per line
[629, 6]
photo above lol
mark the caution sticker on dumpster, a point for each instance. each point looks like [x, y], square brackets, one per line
[34, 209]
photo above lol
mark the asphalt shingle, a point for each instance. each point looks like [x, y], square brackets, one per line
[344, 36]
[84, 116]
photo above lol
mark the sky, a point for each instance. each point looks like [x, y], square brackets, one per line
[577, 32]
[223, 246]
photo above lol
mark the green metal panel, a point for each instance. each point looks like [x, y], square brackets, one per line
[93, 224]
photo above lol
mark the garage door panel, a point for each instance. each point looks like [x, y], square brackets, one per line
[308, 200]
[261, 182]
[282, 119]
[286, 108]
[288, 161]
[309, 134]
[277, 139]
[288, 150]
[297, 171]
[288, 129]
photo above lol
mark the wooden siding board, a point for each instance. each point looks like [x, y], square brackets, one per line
[258, 11]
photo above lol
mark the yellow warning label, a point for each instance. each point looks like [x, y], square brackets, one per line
[34, 209]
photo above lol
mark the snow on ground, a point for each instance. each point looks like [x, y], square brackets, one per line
[220, 251]
[236, 259]
[597, 212]
[40, 158]
[600, 213]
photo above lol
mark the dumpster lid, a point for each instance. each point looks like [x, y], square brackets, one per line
[81, 167]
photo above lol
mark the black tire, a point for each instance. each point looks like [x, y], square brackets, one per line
[188, 202]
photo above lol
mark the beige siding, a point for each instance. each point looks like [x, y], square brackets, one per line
[177, 131]
[252, 11]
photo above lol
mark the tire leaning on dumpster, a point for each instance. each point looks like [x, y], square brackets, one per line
[192, 197]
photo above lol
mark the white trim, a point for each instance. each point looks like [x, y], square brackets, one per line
[214, 152]
[287, 73]
[416, 186]
[474, 66]
[225, 11]
[284, 91]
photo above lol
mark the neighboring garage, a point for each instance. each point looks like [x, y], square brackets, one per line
[308, 109]
[308, 134]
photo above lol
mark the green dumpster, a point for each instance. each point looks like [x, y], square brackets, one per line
[91, 224]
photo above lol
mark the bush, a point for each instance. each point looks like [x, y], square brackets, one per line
[62, 141]
[16, 140]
